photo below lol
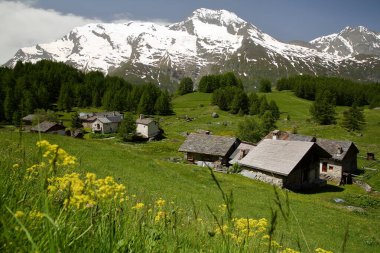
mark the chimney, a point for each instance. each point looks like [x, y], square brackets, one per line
[141, 116]
[339, 150]
[275, 134]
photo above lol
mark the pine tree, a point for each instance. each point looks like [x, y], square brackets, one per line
[254, 104]
[274, 109]
[323, 108]
[265, 86]
[263, 105]
[185, 86]
[240, 103]
[66, 98]
[353, 119]
[268, 122]
[163, 104]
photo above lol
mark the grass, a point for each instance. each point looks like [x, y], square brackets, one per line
[148, 170]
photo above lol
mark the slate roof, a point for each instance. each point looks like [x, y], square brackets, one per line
[208, 144]
[242, 146]
[45, 126]
[93, 116]
[282, 135]
[277, 156]
[29, 117]
[144, 121]
[110, 119]
[331, 146]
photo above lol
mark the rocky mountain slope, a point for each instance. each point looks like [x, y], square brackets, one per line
[209, 41]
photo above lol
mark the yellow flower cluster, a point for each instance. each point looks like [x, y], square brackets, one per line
[56, 155]
[160, 203]
[159, 216]
[83, 193]
[244, 228]
[35, 215]
[289, 250]
[138, 206]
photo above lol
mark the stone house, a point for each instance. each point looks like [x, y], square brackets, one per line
[209, 148]
[88, 119]
[49, 127]
[343, 154]
[147, 127]
[289, 164]
[106, 125]
[343, 158]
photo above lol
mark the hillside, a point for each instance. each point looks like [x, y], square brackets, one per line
[208, 41]
[152, 170]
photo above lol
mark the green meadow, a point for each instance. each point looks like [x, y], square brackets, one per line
[156, 170]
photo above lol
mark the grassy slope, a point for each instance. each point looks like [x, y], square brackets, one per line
[146, 170]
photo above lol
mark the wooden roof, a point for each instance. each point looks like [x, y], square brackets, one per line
[208, 144]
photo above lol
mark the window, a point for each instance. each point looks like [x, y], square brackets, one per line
[324, 167]
[331, 167]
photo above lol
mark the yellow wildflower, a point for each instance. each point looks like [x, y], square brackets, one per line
[159, 216]
[138, 206]
[35, 215]
[160, 203]
[19, 214]
[221, 230]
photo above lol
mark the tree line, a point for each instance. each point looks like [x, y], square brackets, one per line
[344, 92]
[52, 85]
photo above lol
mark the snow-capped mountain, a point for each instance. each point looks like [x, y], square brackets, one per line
[349, 42]
[208, 41]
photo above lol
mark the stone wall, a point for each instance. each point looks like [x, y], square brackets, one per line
[264, 177]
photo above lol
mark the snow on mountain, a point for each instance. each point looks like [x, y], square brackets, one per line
[207, 41]
[349, 42]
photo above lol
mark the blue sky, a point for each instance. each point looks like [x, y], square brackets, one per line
[29, 22]
[284, 19]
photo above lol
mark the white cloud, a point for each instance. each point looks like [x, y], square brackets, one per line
[23, 25]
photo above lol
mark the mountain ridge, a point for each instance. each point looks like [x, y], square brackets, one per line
[209, 41]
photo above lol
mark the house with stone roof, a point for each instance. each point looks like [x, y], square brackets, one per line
[209, 148]
[343, 158]
[106, 124]
[49, 127]
[147, 127]
[289, 164]
[88, 119]
[343, 154]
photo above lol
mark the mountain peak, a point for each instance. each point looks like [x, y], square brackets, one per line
[217, 17]
[361, 29]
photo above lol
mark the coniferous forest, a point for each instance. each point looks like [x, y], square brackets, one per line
[345, 92]
[52, 85]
